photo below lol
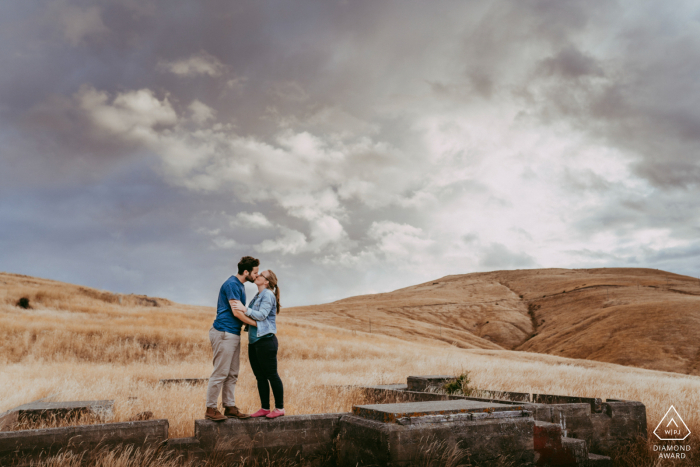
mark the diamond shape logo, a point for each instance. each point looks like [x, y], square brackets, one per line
[672, 427]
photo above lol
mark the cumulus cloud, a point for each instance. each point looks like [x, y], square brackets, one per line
[398, 240]
[201, 63]
[201, 112]
[352, 144]
[133, 115]
[253, 219]
[290, 242]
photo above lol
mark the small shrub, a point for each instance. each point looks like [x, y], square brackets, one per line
[23, 303]
[459, 385]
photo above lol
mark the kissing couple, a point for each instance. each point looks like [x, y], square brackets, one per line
[259, 318]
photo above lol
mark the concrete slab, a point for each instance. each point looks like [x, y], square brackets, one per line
[309, 436]
[185, 381]
[595, 402]
[390, 413]
[459, 417]
[369, 442]
[427, 382]
[387, 387]
[32, 444]
[43, 410]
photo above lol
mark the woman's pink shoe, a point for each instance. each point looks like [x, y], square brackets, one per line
[260, 413]
[275, 413]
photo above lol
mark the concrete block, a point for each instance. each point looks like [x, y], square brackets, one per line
[427, 383]
[388, 387]
[574, 419]
[577, 450]
[34, 443]
[458, 417]
[595, 460]
[363, 441]
[8, 420]
[541, 412]
[184, 381]
[552, 449]
[390, 413]
[303, 436]
[187, 448]
[619, 423]
[595, 402]
[42, 410]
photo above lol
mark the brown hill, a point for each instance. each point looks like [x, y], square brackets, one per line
[639, 317]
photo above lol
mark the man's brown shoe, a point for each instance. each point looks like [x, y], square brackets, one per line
[215, 415]
[233, 412]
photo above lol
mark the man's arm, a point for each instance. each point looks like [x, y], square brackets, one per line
[240, 315]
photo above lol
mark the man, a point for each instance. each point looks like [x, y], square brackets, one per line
[225, 337]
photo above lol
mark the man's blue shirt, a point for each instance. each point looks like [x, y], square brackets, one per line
[232, 289]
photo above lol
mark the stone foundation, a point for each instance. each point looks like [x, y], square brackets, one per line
[397, 429]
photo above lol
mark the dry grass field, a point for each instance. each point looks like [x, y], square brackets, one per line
[76, 343]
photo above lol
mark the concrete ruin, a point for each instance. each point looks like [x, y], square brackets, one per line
[394, 430]
[184, 381]
[44, 410]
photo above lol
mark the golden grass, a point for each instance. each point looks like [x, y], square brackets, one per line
[105, 350]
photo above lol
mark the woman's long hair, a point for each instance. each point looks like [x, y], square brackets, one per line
[272, 279]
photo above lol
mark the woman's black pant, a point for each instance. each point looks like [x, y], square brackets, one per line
[263, 361]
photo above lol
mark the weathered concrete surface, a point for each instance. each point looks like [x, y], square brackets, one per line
[189, 448]
[364, 442]
[595, 403]
[43, 410]
[305, 437]
[616, 423]
[619, 423]
[34, 443]
[578, 450]
[394, 393]
[185, 381]
[458, 417]
[428, 383]
[8, 420]
[390, 413]
[596, 460]
[552, 449]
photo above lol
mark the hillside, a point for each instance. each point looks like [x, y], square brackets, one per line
[631, 316]
[78, 343]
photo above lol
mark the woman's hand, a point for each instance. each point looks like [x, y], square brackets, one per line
[238, 305]
[240, 315]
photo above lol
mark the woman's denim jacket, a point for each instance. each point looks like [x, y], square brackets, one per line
[263, 309]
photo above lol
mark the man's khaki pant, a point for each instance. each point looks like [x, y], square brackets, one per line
[227, 358]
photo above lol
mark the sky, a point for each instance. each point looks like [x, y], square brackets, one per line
[354, 147]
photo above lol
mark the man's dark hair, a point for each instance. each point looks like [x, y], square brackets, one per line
[247, 263]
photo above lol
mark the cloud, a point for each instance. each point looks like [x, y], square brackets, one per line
[256, 220]
[348, 142]
[78, 24]
[201, 113]
[201, 63]
[291, 242]
[401, 241]
[498, 256]
[133, 115]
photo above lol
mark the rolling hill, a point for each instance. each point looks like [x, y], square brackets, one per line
[631, 316]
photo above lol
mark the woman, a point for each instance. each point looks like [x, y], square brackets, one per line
[262, 342]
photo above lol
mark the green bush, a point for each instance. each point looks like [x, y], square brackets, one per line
[459, 385]
[23, 303]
